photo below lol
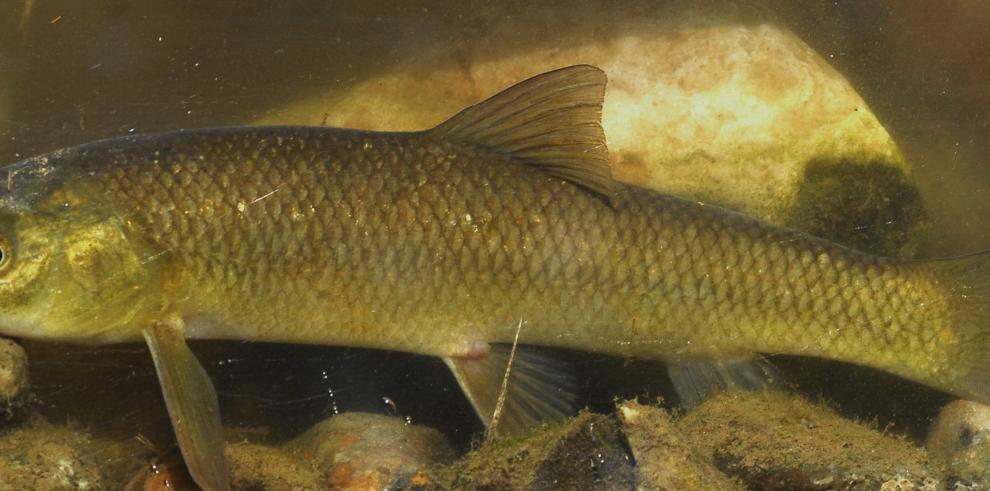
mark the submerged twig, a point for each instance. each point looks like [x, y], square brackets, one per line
[500, 403]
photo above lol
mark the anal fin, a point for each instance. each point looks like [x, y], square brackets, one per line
[696, 381]
[541, 388]
[192, 405]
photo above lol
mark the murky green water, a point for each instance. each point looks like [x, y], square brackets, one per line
[72, 72]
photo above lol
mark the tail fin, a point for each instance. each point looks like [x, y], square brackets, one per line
[967, 281]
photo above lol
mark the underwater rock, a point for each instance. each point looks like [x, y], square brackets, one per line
[253, 467]
[733, 115]
[369, 451]
[586, 452]
[664, 459]
[42, 457]
[165, 475]
[960, 439]
[771, 440]
[258, 467]
[13, 371]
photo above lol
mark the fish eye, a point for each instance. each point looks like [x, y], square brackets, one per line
[5, 255]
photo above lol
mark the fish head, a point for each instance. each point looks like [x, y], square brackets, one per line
[69, 270]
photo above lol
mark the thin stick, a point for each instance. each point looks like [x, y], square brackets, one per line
[490, 434]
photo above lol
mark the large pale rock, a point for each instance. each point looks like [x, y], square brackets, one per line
[734, 115]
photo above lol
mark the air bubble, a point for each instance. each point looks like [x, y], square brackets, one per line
[390, 406]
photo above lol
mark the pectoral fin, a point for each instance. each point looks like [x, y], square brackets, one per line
[540, 388]
[192, 405]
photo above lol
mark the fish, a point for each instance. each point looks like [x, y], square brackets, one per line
[487, 238]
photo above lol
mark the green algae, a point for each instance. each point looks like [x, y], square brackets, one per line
[586, 452]
[775, 441]
[871, 205]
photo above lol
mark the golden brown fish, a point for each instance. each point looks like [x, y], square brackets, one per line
[441, 242]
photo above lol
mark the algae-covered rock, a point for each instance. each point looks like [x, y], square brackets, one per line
[881, 207]
[43, 457]
[775, 441]
[258, 467]
[664, 458]
[369, 451]
[13, 371]
[734, 115]
[960, 439]
[587, 452]
[346, 451]
[253, 466]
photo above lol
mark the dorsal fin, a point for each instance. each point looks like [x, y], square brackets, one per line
[551, 121]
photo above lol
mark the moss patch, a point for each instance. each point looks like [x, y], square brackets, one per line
[40, 456]
[870, 206]
[587, 452]
[664, 459]
[774, 441]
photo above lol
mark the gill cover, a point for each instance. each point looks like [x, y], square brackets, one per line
[74, 274]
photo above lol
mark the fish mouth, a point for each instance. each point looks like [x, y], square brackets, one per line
[31, 323]
[21, 330]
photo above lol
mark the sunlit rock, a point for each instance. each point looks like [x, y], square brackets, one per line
[733, 115]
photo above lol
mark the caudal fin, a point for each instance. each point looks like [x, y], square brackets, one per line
[967, 282]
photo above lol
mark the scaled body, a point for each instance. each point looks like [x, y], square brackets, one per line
[441, 242]
[399, 241]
